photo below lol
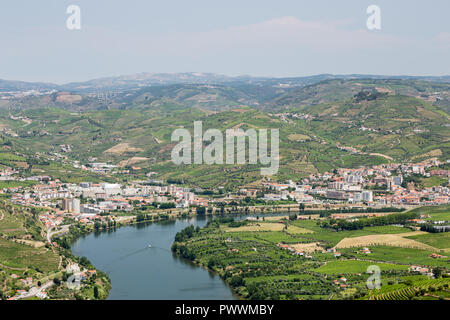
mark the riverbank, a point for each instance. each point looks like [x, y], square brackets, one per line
[138, 271]
[78, 231]
[298, 259]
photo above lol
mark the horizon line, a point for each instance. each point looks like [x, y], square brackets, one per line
[60, 84]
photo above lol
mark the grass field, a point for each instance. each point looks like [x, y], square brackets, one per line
[436, 213]
[297, 230]
[437, 240]
[433, 181]
[355, 266]
[15, 184]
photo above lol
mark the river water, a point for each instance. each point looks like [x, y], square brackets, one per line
[138, 271]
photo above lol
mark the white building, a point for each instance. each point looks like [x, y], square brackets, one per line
[367, 196]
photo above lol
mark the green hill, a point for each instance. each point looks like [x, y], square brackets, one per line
[383, 120]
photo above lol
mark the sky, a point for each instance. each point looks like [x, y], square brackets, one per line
[252, 37]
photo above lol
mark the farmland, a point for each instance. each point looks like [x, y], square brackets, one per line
[257, 227]
[441, 241]
[395, 240]
[419, 290]
[24, 253]
[355, 266]
[435, 213]
[18, 256]
[406, 256]
[270, 260]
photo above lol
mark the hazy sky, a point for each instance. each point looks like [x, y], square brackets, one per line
[233, 37]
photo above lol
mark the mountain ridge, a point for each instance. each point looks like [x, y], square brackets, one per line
[149, 79]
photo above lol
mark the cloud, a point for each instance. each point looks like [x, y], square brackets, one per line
[279, 46]
[282, 33]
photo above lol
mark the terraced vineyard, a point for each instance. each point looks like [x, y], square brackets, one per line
[403, 292]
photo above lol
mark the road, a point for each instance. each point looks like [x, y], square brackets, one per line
[35, 291]
[50, 234]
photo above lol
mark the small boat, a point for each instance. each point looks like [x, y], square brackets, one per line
[149, 245]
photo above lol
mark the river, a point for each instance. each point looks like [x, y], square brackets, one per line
[140, 272]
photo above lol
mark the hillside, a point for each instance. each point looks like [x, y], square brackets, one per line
[381, 120]
[400, 127]
[334, 90]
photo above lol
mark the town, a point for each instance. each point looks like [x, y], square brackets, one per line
[387, 185]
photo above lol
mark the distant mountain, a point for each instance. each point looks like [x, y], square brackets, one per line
[8, 85]
[155, 79]
[136, 81]
[151, 79]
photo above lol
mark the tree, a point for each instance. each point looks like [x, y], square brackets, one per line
[237, 281]
[95, 292]
[302, 207]
[437, 272]
[213, 262]
[201, 210]
[84, 261]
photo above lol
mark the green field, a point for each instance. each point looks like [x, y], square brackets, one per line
[15, 184]
[433, 181]
[256, 268]
[332, 238]
[355, 266]
[399, 255]
[437, 240]
[438, 213]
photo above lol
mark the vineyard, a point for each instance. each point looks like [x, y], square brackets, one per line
[403, 292]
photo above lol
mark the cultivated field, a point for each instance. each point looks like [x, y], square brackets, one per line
[355, 266]
[395, 240]
[298, 137]
[122, 148]
[307, 247]
[257, 227]
[297, 230]
[131, 161]
[15, 255]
